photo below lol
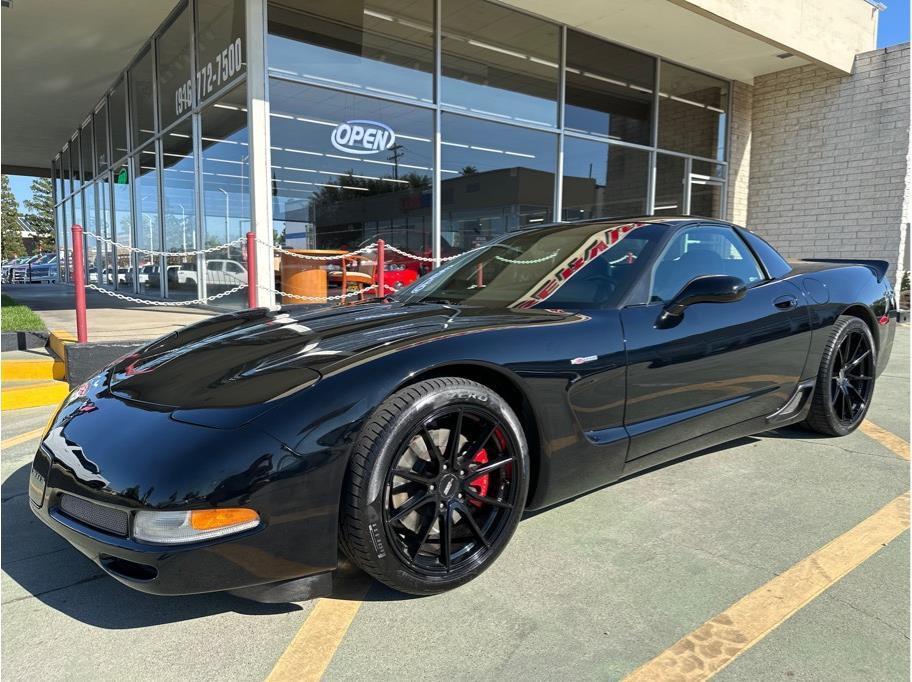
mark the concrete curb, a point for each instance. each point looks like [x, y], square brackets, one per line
[85, 360]
[22, 340]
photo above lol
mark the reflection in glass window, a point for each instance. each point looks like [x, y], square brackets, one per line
[75, 162]
[178, 208]
[117, 110]
[706, 184]
[383, 46]
[692, 108]
[568, 267]
[142, 102]
[225, 167]
[91, 227]
[101, 137]
[602, 180]
[331, 192]
[499, 62]
[609, 89]
[87, 153]
[175, 86]
[220, 41]
[495, 178]
[123, 225]
[148, 231]
[67, 178]
[670, 185]
[105, 264]
[58, 178]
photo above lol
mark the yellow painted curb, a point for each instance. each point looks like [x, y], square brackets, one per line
[39, 369]
[33, 394]
[58, 340]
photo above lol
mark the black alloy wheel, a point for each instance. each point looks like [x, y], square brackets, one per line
[450, 490]
[436, 486]
[845, 382]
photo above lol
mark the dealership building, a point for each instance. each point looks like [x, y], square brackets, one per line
[440, 124]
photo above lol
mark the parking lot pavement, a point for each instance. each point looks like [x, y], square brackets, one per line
[591, 589]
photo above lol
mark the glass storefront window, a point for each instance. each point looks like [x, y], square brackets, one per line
[175, 84]
[106, 274]
[383, 46]
[495, 178]
[91, 227]
[692, 112]
[87, 153]
[117, 108]
[609, 90]
[603, 181]
[101, 138]
[142, 99]
[65, 174]
[75, 163]
[148, 231]
[706, 183]
[220, 44]
[499, 62]
[349, 169]
[670, 184]
[225, 167]
[58, 182]
[123, 225]
[178, 209]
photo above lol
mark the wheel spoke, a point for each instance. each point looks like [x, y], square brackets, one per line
[480, 442]
[411, 505]
[422, 537]
[452, 446]
[446, 526]
[489, 467]
[857, 361]
[431, 446]
[412, 476]
[467, 515]
[494, 502]
[861, 399]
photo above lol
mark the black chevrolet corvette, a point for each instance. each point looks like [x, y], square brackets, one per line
[245, 452]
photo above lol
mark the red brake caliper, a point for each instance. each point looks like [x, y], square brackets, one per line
[480, 484]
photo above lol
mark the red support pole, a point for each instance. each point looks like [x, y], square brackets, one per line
[381, 268]
[251, 271]
[82, 333]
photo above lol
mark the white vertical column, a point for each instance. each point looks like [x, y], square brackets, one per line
[260, 157]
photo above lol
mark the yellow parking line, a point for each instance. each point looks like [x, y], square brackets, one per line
[312, 649]
[712, 646]
[21, 438]
[885, 438]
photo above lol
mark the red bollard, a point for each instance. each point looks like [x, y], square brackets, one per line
[251, 271]
[82, 333]
[381, 268]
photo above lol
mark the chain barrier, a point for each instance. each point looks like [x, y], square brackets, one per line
[167, 304]
[182, 254]
[319, 299]
[531, 261]
[302, 256]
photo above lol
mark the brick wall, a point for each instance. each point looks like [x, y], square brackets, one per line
[739, 152]
[828, 158]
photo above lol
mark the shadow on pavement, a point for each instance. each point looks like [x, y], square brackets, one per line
[50, 570]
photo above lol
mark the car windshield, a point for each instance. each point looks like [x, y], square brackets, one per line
[568, 266]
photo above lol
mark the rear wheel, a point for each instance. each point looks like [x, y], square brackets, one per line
[436, 486]
[845, 381]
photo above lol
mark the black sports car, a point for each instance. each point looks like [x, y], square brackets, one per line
[412, 432]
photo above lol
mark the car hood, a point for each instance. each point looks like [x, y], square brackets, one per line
[257, 357]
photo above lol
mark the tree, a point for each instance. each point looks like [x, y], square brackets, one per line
[11, 240]
[40, 216]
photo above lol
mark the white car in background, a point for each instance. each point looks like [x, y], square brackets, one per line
[220, 272]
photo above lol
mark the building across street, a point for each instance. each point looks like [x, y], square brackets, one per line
[437, 125]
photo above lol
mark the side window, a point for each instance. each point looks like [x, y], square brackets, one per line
[702, 251]
[214, 265]
[232, 267]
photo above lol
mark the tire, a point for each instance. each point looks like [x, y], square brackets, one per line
[457, 506]
[841, 400]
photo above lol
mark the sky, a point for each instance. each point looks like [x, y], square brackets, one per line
[21, 186]
[893, 25]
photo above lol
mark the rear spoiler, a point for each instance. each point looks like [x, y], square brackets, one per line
[879, 267]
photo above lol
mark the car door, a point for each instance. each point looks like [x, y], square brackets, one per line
[722, 363]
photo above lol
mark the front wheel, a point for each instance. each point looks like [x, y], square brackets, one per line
[845, 380]
[436, 485]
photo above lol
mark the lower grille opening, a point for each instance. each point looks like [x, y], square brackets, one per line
[107, 519]
[128, 569]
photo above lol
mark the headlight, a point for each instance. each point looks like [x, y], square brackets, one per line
[174, 527]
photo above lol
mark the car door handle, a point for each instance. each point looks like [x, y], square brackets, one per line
[785, 302]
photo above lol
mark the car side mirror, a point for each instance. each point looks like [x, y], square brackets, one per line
[705, 289]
